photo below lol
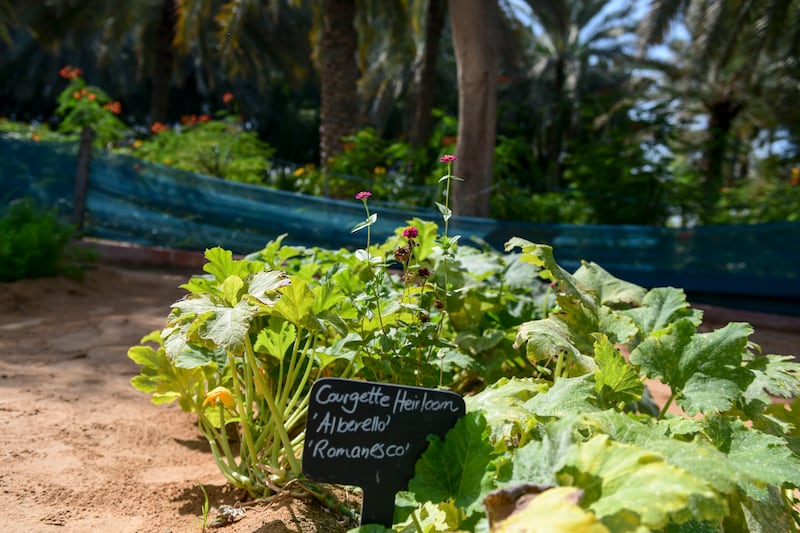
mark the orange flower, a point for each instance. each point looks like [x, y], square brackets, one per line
[76, 95]
[228, 97]
[348, 146]
[449, 140]
[203, 118]
[114, 107]
[36, 137]
[158, 127]
[68, 72]
[220, 394]
[91, 96]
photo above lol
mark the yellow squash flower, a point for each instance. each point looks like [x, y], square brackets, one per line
[221, 394]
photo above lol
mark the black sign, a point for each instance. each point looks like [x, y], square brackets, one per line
[371, 434]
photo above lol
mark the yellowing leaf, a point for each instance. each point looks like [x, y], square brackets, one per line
[553, 510]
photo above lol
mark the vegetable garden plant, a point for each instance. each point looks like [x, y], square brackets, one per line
[554, 366]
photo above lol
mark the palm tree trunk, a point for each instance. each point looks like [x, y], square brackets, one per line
[555, 138]
[422, 123]
[163, 62]
[721, 116]
[338, 76]
[474, 26]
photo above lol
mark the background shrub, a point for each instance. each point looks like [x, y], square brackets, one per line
[33, 241]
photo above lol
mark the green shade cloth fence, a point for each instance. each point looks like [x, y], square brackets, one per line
[134, 201]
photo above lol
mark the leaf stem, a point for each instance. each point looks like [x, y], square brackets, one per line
[666, 406]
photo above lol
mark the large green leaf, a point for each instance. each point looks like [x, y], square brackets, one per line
[544, 339]
[195, 356]
[661, 307]
[566, 397]
[624, 484]
[759, 459]
[539, 460]
[698, 456]
[503, 406]
[705, 368]
[455, 468]
[229, 325]
[609, 290]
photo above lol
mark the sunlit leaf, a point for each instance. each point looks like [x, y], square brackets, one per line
[365, 223]
[454, 468]
[615, 379]
[703, 367]
[622, 478]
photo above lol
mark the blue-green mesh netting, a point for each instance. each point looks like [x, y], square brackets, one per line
[138, 202]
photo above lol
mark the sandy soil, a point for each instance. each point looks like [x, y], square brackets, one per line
[82, 451]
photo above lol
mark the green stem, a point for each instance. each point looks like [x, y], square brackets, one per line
[417, 525]
[559, 366]
[244, 410]
[276, 413]
[666, 406]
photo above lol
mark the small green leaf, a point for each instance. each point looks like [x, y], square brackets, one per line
[445, 211]
[145, 355]
[775, 375]
[276, 339]
[221, 264]
[365, 223]
[615, 380]
[230, 289]
[296, 302]
[263, 286]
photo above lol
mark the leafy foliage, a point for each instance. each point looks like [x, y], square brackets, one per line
[219, 147]
[33, 242]
[554, 365]
[83, 106]
[587, 427]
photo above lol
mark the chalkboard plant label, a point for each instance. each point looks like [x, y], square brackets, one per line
[371, 434]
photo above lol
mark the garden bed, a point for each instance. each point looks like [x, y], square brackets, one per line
[83, 451]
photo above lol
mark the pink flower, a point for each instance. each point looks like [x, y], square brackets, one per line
[363, 195]
[410, 232]
[447, 159]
